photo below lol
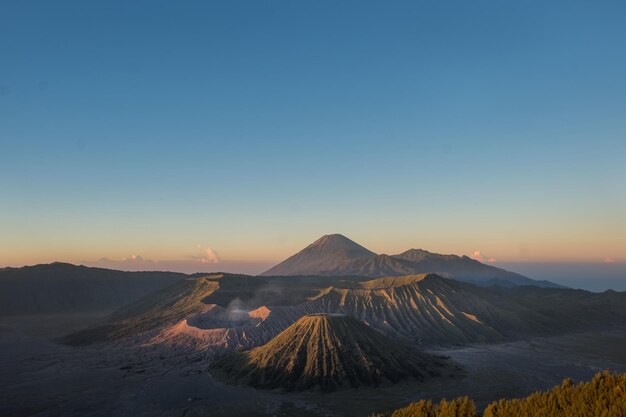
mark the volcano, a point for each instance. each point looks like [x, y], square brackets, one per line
[329, 352]
[336, 255]
[328, 253]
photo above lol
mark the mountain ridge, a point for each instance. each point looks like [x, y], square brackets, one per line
[227, 312]
[61, 287]
[348, 258]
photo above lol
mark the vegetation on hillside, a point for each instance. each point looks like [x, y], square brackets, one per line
[603, 396]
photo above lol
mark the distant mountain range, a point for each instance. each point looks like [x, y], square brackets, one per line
[336, 255]
[66, 288]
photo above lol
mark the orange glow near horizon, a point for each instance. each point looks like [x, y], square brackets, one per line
[266, 254]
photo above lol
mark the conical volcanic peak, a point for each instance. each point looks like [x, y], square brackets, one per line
[338, 242]
[327, 352]
[325, 254]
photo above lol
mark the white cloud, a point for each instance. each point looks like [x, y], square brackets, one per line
[207, 260]
[196, 263]
[207, 256]
[131, 262]
[211, 257]
[478, 255]
[134, 258]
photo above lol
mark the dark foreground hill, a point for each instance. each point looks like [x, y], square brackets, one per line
[66, 288]
[327, 352]
[604, 396]
[336, 255]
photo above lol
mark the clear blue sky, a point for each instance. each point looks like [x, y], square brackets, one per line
[163, 128]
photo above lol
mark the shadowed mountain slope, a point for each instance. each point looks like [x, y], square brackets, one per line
[464, 268]
[375, 266]
[327, 352]
[427, 309]
[325, 254]
[166, 307]
[237, 312]
[219, 302]
[336, 255]
[67, 288]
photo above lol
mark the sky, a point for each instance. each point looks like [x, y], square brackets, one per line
[231, 134]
